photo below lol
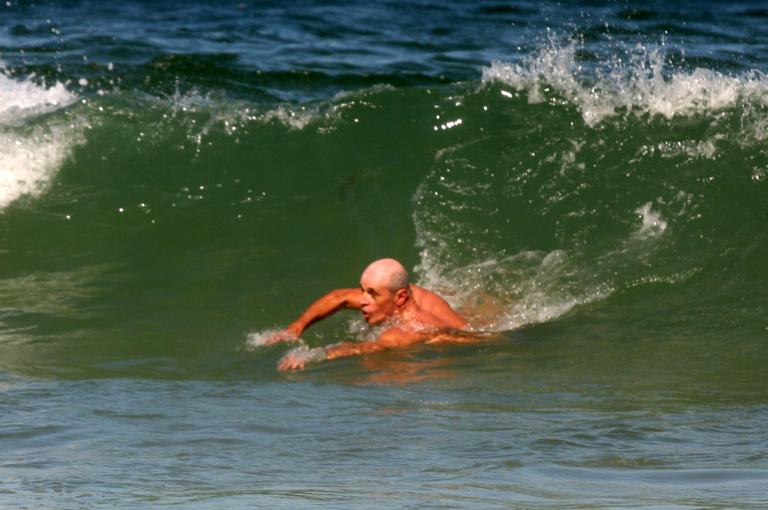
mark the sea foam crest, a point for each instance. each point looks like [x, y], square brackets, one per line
[28, 162]
[641, 84]
[22, 99]
[29, 158]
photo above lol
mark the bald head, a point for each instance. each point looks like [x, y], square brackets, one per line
[387, 272]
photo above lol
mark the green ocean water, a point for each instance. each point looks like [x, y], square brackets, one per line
[588, 182]
[165, 235]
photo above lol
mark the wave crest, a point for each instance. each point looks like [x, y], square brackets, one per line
[641, 84]
[21, 99]
[29, 158]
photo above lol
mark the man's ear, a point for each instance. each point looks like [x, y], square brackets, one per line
[401, 297]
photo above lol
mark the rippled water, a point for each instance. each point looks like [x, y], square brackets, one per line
[586, 181]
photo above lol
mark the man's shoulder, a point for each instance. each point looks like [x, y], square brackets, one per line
[426, 298]
[420, 293]
[438, 308]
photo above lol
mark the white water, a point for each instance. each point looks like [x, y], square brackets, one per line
[653, 225]
[21, 99]
[640, 84]
[31, 153]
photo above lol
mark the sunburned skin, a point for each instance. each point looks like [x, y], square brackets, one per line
[408, 314]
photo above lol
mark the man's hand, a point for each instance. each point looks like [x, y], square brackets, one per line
[290, 363]
[297, 359]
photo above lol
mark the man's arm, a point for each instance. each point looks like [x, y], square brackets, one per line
[321, 308]
[394, 338]
[391, 339]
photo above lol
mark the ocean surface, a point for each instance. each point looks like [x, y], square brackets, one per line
[586, 180]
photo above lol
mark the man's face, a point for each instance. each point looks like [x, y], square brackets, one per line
[378, 302]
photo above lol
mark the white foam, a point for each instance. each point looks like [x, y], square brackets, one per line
[641, 86]
[21, 99]
[653, 225]
[30, 157]
[30, 160]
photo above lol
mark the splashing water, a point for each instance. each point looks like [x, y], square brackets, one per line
[29, 158]
[642, 85]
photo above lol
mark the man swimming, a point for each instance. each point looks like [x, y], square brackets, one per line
[409, 314]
